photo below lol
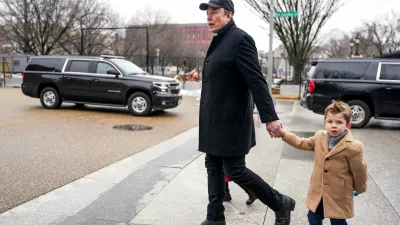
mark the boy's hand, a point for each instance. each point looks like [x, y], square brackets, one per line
[283, 132]
[274, 128]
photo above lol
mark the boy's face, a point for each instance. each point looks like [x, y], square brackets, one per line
[335, 124]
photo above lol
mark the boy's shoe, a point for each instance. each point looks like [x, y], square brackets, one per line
[228, 197]
[252, 198]
[207, 222]
[282, 216]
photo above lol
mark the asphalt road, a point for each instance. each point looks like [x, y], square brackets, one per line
[42, 149]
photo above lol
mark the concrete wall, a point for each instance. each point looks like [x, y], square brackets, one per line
[290, 89]
[191, 85]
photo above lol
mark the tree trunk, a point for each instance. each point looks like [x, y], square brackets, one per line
[298, 71]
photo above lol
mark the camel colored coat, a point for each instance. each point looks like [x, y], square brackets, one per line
[336, 173]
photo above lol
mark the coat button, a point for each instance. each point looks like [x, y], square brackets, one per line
[326, 171]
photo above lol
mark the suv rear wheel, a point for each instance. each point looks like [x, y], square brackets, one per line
[360, 113]
[139, 104]
[50, 98]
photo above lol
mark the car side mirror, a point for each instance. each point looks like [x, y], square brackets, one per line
[112, 72]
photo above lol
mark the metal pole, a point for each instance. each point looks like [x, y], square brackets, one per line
[148, 49]
[4, 72]
[270, 53]
[26, 38]
[81, 53]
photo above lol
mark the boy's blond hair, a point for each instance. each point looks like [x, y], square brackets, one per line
[339, 107]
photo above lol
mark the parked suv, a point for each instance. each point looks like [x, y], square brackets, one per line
[104, 80]
[370, 86]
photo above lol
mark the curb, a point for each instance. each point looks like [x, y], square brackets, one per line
[291, 97]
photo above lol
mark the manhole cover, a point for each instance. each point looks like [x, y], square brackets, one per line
[132, 127]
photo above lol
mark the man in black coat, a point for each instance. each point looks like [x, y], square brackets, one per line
[232, 79]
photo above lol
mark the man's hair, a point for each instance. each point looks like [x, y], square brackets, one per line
[339, 107]
[227, 12]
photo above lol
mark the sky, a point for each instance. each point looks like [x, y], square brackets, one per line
[349, 16]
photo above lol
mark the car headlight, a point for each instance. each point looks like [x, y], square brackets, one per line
[163, 86]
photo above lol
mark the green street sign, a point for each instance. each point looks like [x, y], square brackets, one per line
[286, 14]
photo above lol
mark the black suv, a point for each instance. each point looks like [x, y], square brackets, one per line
[104, 80]
[371, 87]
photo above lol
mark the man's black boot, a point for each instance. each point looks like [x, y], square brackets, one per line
[282, 216]
[207, 222]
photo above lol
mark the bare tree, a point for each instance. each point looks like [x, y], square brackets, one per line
[384, 33]
[92, 17]
[298, 34]
[38, 26]
[337, 45]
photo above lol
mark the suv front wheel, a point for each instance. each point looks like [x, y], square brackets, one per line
[139, 104]
[360, 113]
[50, 98]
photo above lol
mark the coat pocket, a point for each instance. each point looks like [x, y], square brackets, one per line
[342, 188]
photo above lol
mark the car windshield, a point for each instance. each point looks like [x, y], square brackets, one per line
[128, 67]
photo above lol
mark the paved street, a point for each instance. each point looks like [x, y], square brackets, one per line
[42, 150]
[166, 184]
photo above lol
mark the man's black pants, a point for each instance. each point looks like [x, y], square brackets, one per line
[235, 168]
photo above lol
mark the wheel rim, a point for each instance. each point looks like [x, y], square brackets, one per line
[139, 104]
[49, 98]
[357, 114]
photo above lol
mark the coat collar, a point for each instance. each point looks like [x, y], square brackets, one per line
[339, 147]
[224, 29]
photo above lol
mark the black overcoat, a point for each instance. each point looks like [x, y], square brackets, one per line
[232, 79]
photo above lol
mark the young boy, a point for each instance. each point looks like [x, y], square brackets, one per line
[339, 167]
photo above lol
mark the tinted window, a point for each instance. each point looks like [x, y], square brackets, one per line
[43, 64]
[390, 72]
[341, 70]
[103, 67]
[79, 66]
[127, 67]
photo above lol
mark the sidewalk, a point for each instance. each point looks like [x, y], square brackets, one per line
[184, 200]
[177, 194]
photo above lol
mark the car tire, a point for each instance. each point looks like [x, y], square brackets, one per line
[50, 98]
[361, 113]
[139, 104]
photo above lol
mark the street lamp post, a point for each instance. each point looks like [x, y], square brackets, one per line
[357, 42]
[351, 47]
[71, 36]
[158, 58]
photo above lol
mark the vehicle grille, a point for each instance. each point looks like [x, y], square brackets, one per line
[175, 92]
[175, 89]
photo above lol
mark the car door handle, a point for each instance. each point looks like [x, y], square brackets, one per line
[68, 78]
[388, 88]
[95, 80]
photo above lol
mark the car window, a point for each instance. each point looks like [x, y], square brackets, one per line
[390, 72]
[342, 70]
[103, 67]
[80, 66]
[43, 64]
[127, 67]
[310, 73]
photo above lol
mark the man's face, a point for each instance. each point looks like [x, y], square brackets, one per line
[217, 19]
[335, 124]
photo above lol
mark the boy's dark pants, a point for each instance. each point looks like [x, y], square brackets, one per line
[317, 217]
